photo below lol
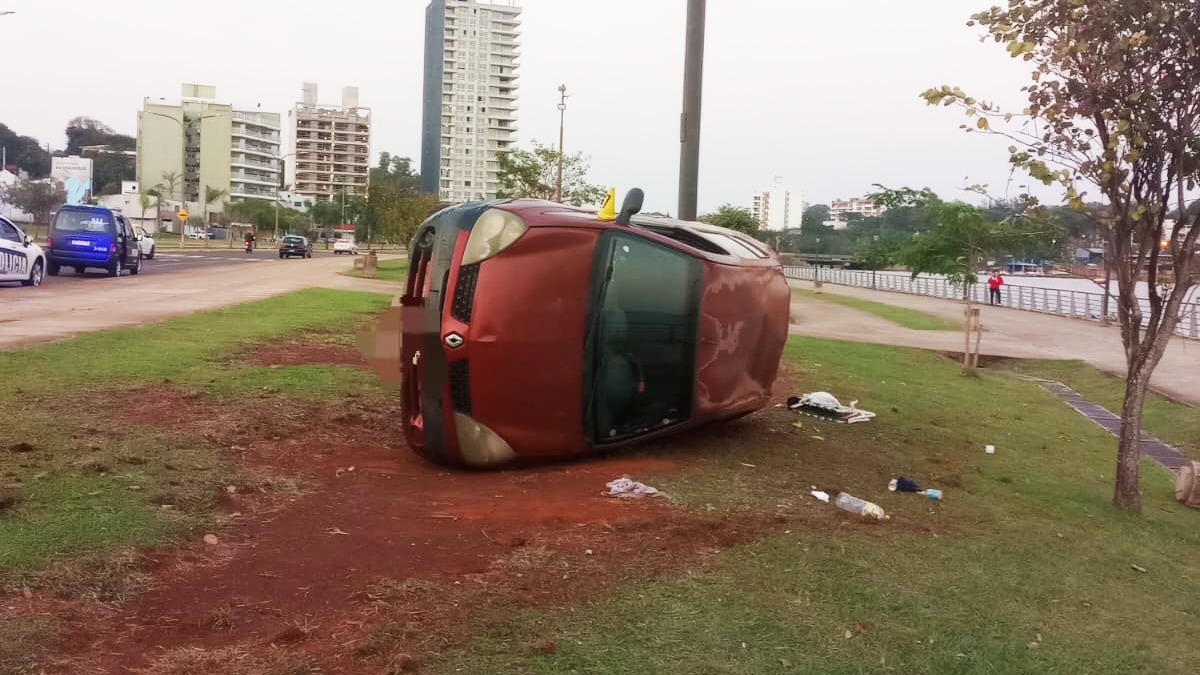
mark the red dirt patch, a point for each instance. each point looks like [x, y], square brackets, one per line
[292, 567]
[308, 353]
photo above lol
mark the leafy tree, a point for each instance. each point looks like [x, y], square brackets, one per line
[875, 255]
[734, 218]
[959, 237]
[213, 194]
[26, 153]
[37, 198]
[814, 216]
[110, 165]
[145, 199]
[534, 174]
[1112, 105]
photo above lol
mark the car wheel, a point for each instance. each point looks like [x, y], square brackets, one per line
[52, 269]
[138, 267]
[79, 269]
[35, 275]
[281, 256]
[308, 255]
[116, 268]
[151, 256]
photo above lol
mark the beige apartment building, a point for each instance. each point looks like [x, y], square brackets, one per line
[212, 145]
[329, 146]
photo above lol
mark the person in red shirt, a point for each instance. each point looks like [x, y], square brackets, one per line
[994, 283]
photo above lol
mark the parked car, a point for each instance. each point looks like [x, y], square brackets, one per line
[345, 246]
[20, 259]
[675, 324]
[83, 236]
[295, 245]
[145, 243]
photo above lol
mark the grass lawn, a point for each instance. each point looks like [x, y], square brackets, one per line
[909, 318]
[83, 479]
[389, 270]
[1174, 423]
[1024, 567]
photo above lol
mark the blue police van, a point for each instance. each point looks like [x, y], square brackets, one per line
[83, 236]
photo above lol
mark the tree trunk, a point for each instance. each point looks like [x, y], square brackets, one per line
[1128, 494]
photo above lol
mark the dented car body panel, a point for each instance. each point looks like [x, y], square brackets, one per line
[533, 330]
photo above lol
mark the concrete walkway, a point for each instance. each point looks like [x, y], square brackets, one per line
[1007, 332]
[29, 315]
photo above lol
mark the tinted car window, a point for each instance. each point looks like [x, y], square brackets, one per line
[84, 221]
[293, 240]
[644, 345]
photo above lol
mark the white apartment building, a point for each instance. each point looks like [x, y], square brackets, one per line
[329, 146]
[216, 147]
[470, 96]
[772, 206]
[840, 208]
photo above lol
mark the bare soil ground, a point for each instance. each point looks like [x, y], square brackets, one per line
[341, 551]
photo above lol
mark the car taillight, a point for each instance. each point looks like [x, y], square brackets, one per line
[112, 248]
[49, 241]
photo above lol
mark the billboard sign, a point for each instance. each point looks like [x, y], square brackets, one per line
[74, 175]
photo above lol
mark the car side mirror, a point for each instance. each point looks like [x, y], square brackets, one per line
[27, 241]
[139, 237]
[631, 206]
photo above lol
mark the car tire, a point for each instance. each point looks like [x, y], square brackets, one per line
[281, 256]
[35, 275]
[79, 269]
[115, 269]
[151, 256]
[53, 269]
[133, 271]
[308, 255]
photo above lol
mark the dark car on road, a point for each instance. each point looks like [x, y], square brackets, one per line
[83, 236]
[534, 330]
[295, 245]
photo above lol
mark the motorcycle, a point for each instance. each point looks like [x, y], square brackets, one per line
[249, 246]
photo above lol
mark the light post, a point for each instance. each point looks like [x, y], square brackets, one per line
[279, 168]
[562, 114]
[182, 157]
[689, 122]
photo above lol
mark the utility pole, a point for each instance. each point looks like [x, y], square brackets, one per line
[689, 120]
[562, 113]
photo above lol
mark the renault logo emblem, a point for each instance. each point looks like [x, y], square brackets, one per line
[454, 340]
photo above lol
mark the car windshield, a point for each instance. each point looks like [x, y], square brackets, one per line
[70, 220]
[642, 343]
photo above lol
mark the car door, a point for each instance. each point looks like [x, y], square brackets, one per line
[14, 262]
[126, 243]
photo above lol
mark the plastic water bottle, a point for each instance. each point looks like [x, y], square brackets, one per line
[932, 493]
[860, 507]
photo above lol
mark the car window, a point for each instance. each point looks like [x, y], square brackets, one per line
[643, 344]
[736, 246]
[70, 220]
[9, 232]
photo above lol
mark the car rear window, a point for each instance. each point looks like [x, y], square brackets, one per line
[69, 220]
[292, 240]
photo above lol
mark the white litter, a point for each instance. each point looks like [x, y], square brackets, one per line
[824, 405]
[627, 488]
[819, 494]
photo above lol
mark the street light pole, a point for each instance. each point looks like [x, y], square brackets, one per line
[562, 113]
[689, 122]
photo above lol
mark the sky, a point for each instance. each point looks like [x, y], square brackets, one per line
[823, 94]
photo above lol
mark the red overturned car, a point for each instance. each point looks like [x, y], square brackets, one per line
[534, 330]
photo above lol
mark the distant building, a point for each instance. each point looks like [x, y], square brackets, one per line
[217, 146]
[469, 109]
[839, 209]
[772, 207]
[330, 146]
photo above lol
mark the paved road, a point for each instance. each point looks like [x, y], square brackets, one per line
[1007, 332]
[70, 305]
[167, 261]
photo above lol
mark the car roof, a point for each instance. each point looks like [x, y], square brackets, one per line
[712, 242]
